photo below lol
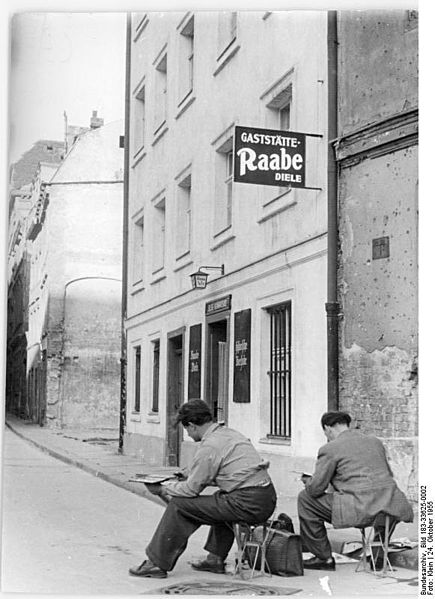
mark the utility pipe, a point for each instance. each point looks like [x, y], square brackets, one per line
[123, 382]
[332, 306]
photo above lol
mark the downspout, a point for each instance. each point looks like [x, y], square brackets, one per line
[332, 306]
[123, 382]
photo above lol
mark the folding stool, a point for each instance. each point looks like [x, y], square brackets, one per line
[372, 539]
[244, 535]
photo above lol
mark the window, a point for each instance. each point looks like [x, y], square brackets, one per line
[227, 30]
[224, 186]
[161, 82]
[159, 225]
[281, 106]
[280, 370]
[137, 381]
[139, 120]
[156, 373]
[138, 250]
[184, 220]
[186, 60]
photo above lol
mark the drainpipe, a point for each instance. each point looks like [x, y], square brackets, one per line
[123, 382]
[332, 306]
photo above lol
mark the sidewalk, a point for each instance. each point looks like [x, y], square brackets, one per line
[96, 452]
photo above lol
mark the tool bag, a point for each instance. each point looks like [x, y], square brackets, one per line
[283, 552]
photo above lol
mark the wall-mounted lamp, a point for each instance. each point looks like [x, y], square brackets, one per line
[199, 278]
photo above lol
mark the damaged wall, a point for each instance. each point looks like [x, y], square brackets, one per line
[377, 154]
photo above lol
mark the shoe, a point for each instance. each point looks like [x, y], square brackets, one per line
[314, 563]
[205, 565]
[148, 570]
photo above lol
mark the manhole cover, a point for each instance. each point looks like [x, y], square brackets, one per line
[222, 588]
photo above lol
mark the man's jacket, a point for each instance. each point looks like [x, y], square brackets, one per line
[357, 468]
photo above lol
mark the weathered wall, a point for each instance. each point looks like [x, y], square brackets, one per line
[378, 65]
[378, 198]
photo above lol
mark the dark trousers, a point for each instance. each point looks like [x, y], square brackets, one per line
[184, 515]
[313, 512]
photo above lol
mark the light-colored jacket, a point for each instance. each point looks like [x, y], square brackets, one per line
[363, 485]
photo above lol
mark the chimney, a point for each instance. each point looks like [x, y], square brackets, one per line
[96, 121]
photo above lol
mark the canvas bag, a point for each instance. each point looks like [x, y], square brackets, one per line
[283, 552]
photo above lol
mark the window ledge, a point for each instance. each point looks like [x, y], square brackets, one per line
[135, 417]
[159, 134]
[137, 157]
[183, 261]
[136, 288]
[276, 211]
[184, 105]
[225, 58]
[220, 240]
[158, 276]
[153, 417]
[275, 441]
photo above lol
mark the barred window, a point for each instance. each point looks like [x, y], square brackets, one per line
[156, 373]
[137, 381]
[280, 370]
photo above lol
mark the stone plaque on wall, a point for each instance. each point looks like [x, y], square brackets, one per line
[194, 386]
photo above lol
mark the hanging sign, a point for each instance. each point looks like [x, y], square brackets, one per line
[269, 157]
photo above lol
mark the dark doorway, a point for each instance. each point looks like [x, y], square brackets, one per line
[217, 366]
[174, 398]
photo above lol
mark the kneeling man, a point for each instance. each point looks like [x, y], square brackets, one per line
[356, 467]
[224, 458]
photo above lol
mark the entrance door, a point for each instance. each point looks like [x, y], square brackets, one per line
[217, 379]
[174, 399]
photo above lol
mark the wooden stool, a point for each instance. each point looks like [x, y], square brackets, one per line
[372, 539]
[249, 548]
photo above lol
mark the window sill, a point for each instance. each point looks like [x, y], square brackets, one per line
[153, 417]
[140, 28]
[275, 440]
[225, 58]
[223, 237]
[159, 133]
[158, 276]
[135, 417]
[137, 287]
[184, 104]
[138, 156]
[183, 261]
[275, 211]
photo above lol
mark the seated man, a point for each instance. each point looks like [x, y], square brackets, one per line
[357, 468]
[224, 458]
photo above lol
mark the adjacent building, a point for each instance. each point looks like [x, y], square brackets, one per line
[71, 317]
[377, 156]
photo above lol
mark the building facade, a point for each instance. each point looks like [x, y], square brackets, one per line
[252, 343]
[377, 154]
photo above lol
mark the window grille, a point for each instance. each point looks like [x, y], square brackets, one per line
[156, 372]
[137, 379]
[280, 370]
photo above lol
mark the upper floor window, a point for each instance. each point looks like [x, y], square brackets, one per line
[139, 120]
[138, 250]
[161, 85]
[224, 186]
[227, 30]
[184, 217]
[159, 235]
[186, 59]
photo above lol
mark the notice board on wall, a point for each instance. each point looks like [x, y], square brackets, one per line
[194, 384]
[242, 356]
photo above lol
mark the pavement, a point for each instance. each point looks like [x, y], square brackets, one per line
[96, 452]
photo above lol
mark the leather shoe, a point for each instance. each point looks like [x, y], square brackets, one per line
[205, 565]
[148, 570]
[314, 563]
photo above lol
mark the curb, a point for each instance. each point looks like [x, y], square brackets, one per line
[89, 469]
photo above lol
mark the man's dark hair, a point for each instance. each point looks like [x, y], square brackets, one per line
[195, 411]
[331, 418]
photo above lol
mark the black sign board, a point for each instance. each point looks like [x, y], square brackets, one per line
[242, 356]
[218, 305]
[194, 385]
[269, 157]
